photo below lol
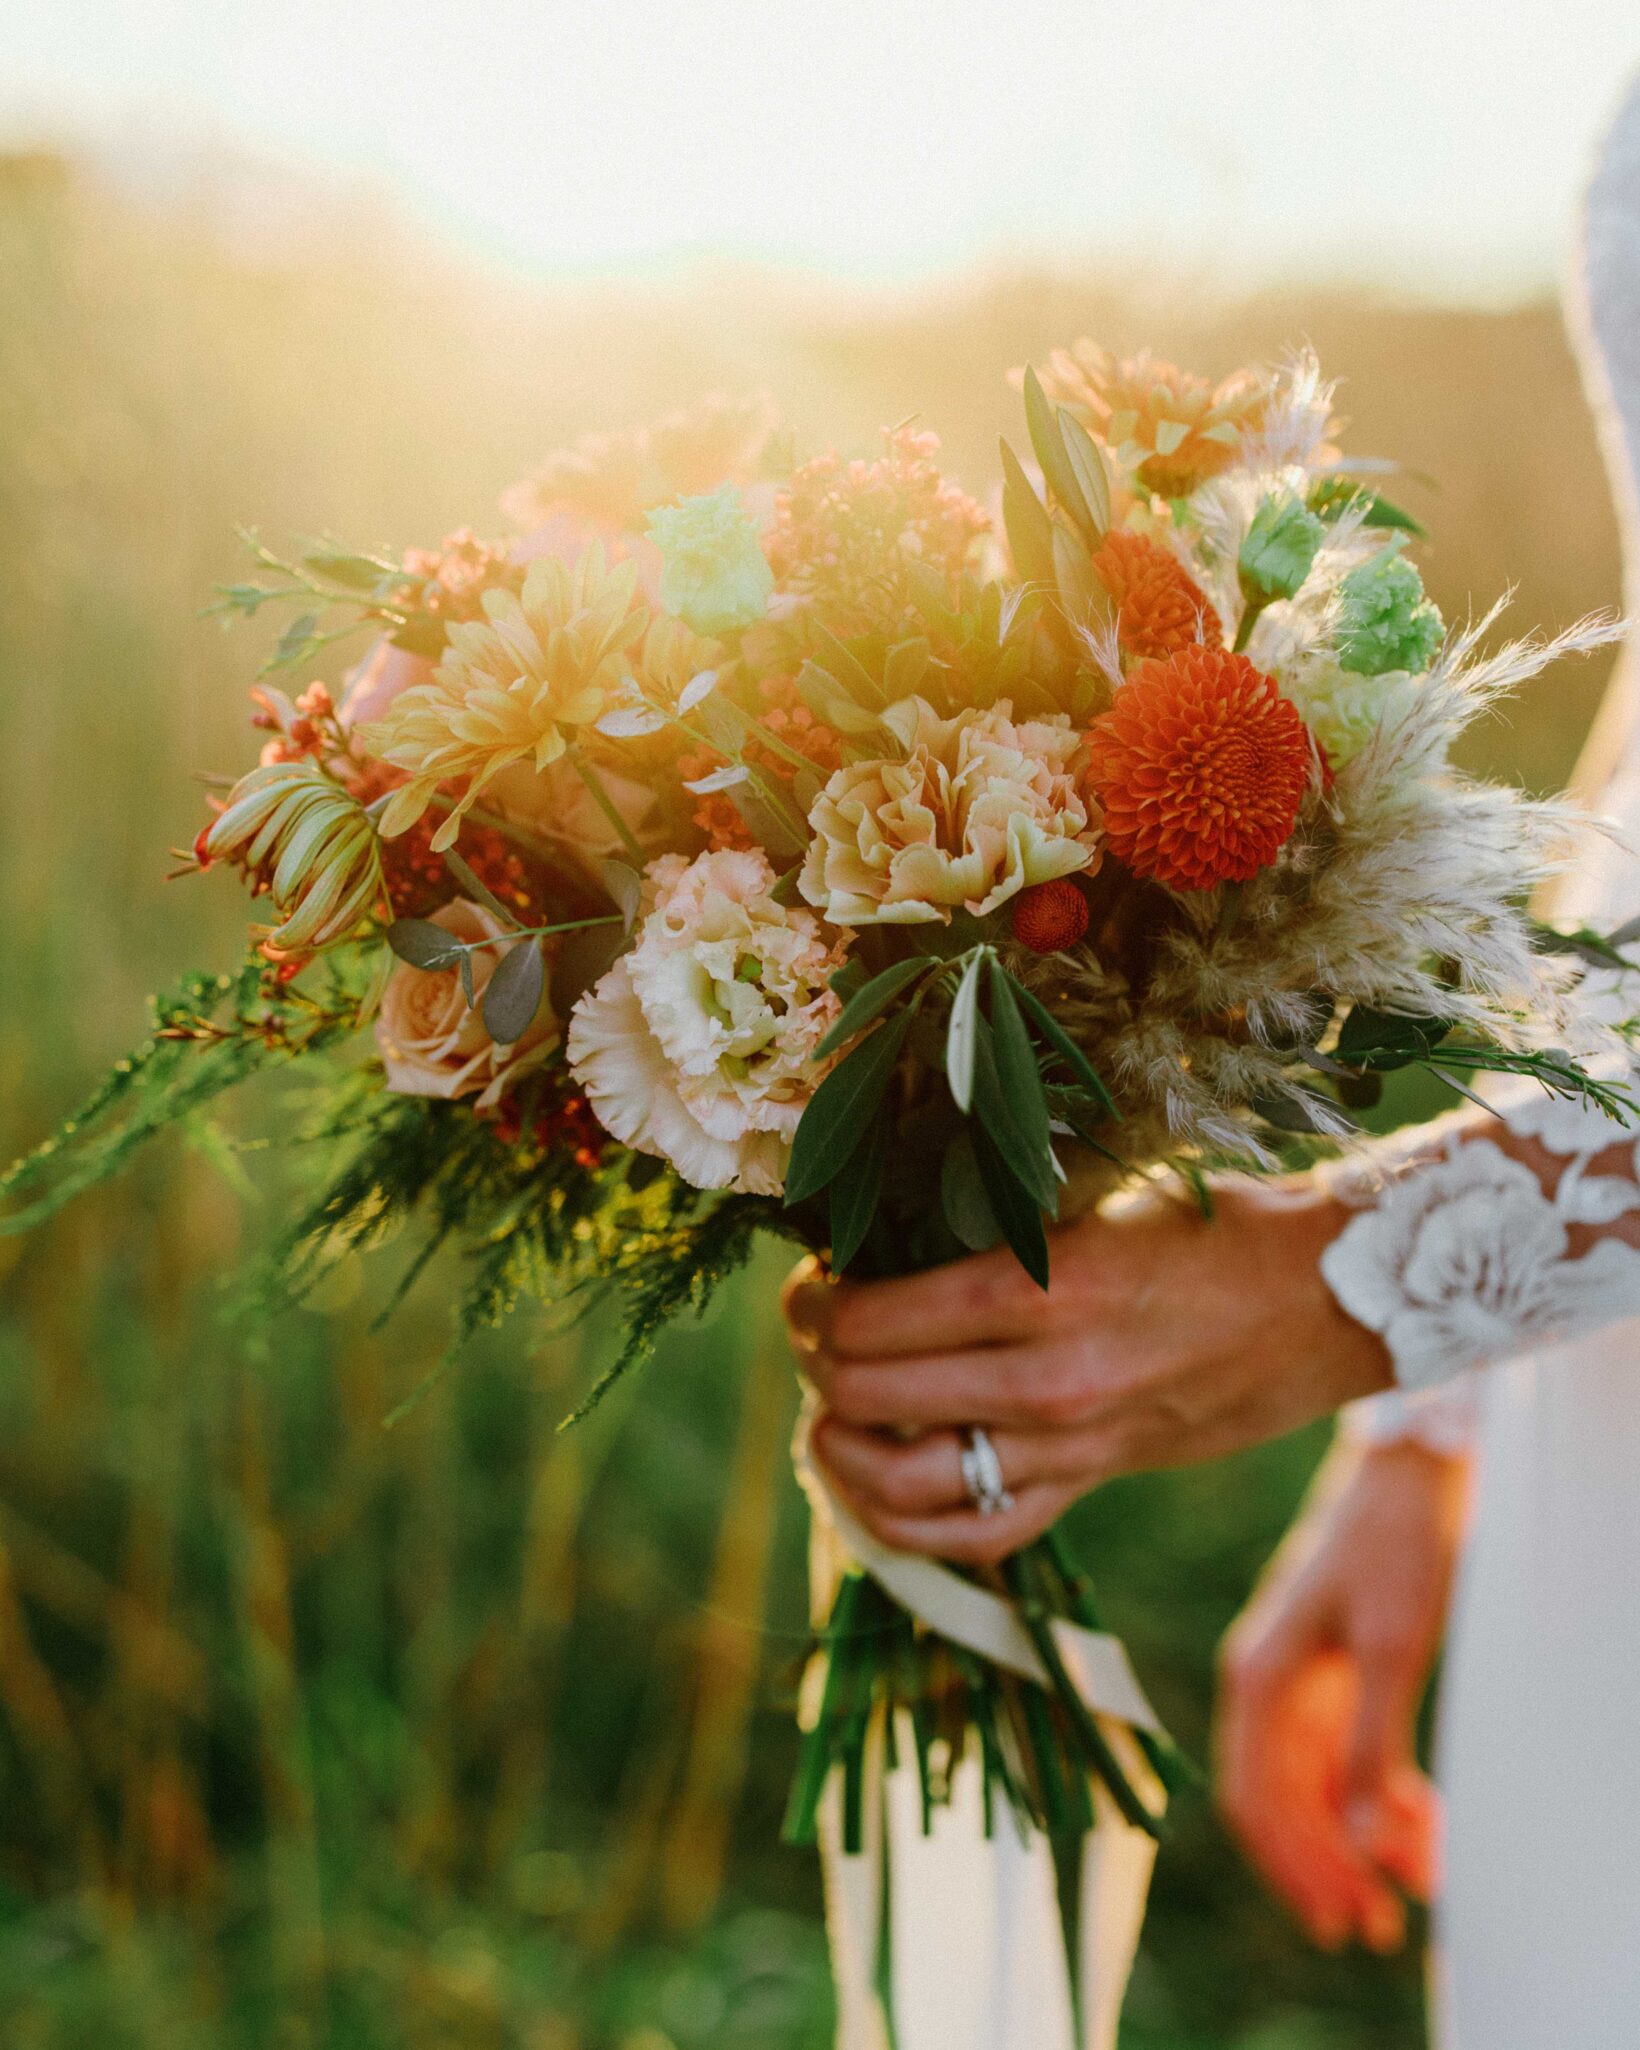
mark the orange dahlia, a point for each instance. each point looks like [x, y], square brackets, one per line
[1159, 608]
[1199, 767]
[1172, 429]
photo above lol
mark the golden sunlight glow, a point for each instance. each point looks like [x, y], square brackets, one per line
[1429, 144]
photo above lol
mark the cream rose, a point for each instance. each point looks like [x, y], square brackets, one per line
[979, 808]
[698, 1045]
[430, 1042]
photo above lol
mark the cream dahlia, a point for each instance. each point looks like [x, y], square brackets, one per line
[698, 1045]
[512, 687]
[977, 808]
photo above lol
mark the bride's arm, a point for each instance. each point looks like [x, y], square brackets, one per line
[1166, 1339]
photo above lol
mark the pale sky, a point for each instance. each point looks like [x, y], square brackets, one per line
[1436, 144]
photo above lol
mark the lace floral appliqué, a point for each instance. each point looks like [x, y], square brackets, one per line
[1465, 1260]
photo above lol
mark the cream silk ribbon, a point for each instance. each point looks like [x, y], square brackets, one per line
[977, 1957]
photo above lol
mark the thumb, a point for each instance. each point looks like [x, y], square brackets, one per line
[1381, 1747]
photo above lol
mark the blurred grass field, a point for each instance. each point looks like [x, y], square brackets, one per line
[317, 1735]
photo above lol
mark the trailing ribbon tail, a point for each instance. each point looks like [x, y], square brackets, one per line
[944, 1936]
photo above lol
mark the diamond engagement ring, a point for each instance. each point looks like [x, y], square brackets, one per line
[982, 1473]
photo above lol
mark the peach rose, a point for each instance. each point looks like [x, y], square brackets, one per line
[430, 1042]
[372, 684]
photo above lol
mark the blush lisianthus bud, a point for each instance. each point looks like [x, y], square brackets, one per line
[1050, 916]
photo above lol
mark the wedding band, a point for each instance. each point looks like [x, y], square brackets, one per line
[982, 1473]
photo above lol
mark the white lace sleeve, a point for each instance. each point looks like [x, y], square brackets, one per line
[1465, 1258]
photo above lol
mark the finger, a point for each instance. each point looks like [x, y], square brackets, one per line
[985, 1300]
[1381, 1743]
[964, 1535]
[919, 1476]
[1407, 1842]
[1056, 1385]
[1281, 1736]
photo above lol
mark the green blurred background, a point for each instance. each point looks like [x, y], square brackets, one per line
[466, 1733]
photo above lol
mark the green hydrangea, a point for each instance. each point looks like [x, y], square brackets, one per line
[1387, 622]
[714, 574]
[1280, 546]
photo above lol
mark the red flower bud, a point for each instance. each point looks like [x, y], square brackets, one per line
[1049, 916]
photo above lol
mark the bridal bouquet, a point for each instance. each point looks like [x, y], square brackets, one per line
[756, 844]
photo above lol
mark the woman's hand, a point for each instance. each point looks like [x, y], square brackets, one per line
[1164, 1339]
[1322, 1677]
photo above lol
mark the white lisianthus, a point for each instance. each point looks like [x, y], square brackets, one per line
[698, 1045]
[1345, 710]
[978, 808]
[714, 574]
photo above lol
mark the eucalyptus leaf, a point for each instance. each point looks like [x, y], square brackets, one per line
[869, 1002]
[962, 1034]
[468, 990]
[514, 993]
[841, 1108]
[423, 944]
[855, 1193]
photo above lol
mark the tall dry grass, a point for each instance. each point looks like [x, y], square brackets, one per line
[467, 1733]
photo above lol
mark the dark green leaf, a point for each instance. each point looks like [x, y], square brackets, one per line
[841, 1108]
[1387, 1039]
[354, 572]
[467, 989]
[1016, 1211]
[514, 993]
[962, 1197]
[1588, 945]
[1307, 1111]
[847, 981]
[1335, 495]
[625, 887]
[855, 1191]
[295, 641]
[423, 944]
[869, 1002]
[580, 960]
[842, 662]
[962, 1033]
[1017, 1070]
[476, 890]
[1014, 1129]
[1030, 531]
[768, 826]
[1066, 1047]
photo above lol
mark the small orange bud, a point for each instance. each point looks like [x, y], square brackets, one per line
[1049, 916]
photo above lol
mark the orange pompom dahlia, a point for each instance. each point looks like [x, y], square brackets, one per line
[1159, 608]
[1200, 767]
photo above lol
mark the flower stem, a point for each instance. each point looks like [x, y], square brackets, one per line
[606, 804]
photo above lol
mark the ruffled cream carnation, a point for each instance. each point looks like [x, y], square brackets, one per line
[979, 808]
[432, 1043]
[698, 1045]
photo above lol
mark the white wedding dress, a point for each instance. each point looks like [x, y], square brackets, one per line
[1539, 1746]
